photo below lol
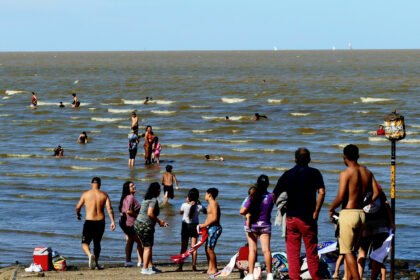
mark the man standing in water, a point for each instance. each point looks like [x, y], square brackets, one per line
[34, 100]
[302, 183]
[94, 201]
[355, 182]
[135, 123]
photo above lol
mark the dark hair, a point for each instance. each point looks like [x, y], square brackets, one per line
[96, 180]
[33, 93]
[213, 191]
[156, 139]
[302, 156]
[125, 192]
[351, 152]
[84, 133]
[147, 126]
[250, 190]
[73, 94]
[193, 195]
[207, 156]
[168, 168]
[261, 185]
[153, 191]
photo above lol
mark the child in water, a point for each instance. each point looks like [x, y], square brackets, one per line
[168, 180]
[156, 148]
[190, 211]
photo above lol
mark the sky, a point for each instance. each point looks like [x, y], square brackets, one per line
[165, 25]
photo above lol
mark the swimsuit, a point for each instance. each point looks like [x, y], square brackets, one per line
[93, 230]
[214, 232]
[169, 190]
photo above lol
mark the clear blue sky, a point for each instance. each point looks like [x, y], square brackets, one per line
[105, 25]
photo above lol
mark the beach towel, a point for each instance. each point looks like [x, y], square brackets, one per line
[227, 269]
[181, 257]
[381, 253]
[281, 204]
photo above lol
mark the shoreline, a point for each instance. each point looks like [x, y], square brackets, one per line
[405, 269]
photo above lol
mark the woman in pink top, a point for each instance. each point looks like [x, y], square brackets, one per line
[129, 208]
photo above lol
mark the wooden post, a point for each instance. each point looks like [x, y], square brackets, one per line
[393, 160]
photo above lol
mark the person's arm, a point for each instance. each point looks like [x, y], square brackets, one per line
[340, 194]
[79, 207]
[319, 202]
[130, 212]
[176, 182]
[375, 189]
[151, 214]
[203, 209]
[245, 207]
[110, 212]
[280, 186]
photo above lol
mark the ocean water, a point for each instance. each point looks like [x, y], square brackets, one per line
[322, 100]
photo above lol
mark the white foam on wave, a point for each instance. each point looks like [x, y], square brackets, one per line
[173, 145]
[163, 112]
[4, 115]
[198, 131]
[374, 100]
[18, 155]
[363, 112]
[377, 139]
[162, 102]
[300, 114]
[225, 141]
[274, 100]
[13, 92]
[120, 111]
[124, 127]
[133, 102]
[199, 106]
[107, 119]
[76, 82]
[233, 100]
[415, 126]
[244, 150]
[411, 141]
[354, 131]
[76, 167]
[92, 109]
[212, 118]
[6, 97]
[274, 168]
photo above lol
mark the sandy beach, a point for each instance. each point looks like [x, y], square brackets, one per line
[405, 269]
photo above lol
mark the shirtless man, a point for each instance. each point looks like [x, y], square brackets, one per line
[135, 123]
[214, 229]
[355, 182]
[76, 102]
[168, 180]
[94, 201]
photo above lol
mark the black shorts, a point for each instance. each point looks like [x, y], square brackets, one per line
[93, 230]
[132, 153]
[189, 230]
[375, 241]
[169, 190]
[126, 229]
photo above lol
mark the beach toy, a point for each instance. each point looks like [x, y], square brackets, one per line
[181, 257]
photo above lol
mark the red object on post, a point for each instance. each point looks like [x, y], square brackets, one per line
[42, 256]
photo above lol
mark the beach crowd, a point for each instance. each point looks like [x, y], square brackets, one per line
[363, 222]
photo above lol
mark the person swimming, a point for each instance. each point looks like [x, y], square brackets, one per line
[209, 158]
[34, 101]
[76, 102]
[83, 138]
[258, 117]
[58, 152]
[146, 101]
[61, 105]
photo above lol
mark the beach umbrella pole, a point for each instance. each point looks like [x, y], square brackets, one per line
[393, 160]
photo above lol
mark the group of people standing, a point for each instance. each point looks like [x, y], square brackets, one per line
[75, 103]
[305, 191]
[152, 147]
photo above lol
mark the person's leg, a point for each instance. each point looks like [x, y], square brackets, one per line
[293, 243]
[194, 256]
[212, 261]
[165, 198]
[128, 247]
[310, 238]
[265, 246]
[352, 272]
[361, 260]
[184, 245]
[337, 266]
[97, 237]
[139, 249]
[252, 255]
[86, 249]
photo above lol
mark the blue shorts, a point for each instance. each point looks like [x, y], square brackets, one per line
[214, 232]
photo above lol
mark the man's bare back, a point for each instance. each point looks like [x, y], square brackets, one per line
[94, 201]
[168, 179]
[356, 181]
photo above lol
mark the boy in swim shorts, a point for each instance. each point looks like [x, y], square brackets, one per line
[168, 180]
[214, 229]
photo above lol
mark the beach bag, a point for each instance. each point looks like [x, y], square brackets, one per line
[394, 126]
